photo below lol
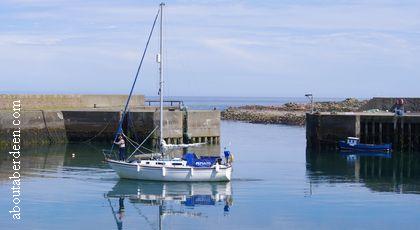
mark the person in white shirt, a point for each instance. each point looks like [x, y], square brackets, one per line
[121, 144]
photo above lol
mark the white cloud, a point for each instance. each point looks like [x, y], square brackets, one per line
[297, 41]
[26, 40]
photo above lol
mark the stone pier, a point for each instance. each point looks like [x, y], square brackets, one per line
[90, 118]
[326, 129]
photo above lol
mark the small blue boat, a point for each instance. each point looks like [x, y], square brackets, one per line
[353, 144]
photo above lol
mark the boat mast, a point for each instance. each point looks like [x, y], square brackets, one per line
[160, 59]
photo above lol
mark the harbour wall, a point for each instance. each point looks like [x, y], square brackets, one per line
[60, 101]
[100, 125]
[324, 130]
[36, 127]
[386, 103]
[202, 126]
[48, 119]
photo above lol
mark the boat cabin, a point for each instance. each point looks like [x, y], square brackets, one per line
[166, 163]
[352, 141]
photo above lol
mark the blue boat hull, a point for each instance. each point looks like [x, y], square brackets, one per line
[365, 147]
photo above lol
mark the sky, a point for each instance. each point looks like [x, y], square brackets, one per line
[331, 48]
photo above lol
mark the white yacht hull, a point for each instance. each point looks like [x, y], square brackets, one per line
[170, 173]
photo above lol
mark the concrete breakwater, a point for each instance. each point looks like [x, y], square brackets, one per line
[373, 123]
[36, 127]
[289, 113]
[324, 130]
[386, 103]
[67, 101]
[178, 127]
[265, 116]
[86, 124]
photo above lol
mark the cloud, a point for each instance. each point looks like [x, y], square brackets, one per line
[287, 43]
[25, 40]
[236, 48]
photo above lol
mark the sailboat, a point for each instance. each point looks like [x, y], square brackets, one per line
[159, 167]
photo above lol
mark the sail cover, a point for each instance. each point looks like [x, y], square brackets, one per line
[193, 160]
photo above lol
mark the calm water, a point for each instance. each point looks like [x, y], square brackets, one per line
[276, 185]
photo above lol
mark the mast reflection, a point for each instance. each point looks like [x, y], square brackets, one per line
[170, 198]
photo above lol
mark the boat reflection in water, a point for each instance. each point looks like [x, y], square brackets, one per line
[398, 172]
[351, 156]
[170, 199]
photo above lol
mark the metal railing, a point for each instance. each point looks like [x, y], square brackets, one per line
[170, 102]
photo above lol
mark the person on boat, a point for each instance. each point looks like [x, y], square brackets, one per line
[227, 156]
[121, 144]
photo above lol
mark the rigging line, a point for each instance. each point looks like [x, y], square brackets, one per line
[146, 149]
[144, 216]
[135, 144]
[145, 139]
[131, 125]
[46, 127]
[129, 140]
[135, 80]
[113, 211]
[100, 132]
[132, 144]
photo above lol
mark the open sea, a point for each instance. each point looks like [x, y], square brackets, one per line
[277, 184]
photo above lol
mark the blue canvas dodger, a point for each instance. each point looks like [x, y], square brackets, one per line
[193, 160]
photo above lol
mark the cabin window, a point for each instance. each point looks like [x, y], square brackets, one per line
[160, 163]
[176, 163]
[147, 162]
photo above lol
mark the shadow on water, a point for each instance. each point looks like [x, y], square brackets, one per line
[398, 172]
[168, 198]
[50, 160]
[76, 155]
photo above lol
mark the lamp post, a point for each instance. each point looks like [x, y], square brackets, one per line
[311, 100]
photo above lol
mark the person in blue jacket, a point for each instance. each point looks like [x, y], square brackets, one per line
[227, 155]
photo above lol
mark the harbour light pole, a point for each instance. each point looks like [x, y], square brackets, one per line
[311, 100]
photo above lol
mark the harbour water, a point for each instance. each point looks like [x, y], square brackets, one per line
[276, 184]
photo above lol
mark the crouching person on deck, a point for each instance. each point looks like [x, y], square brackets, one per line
[121, 144]
[228, 156]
